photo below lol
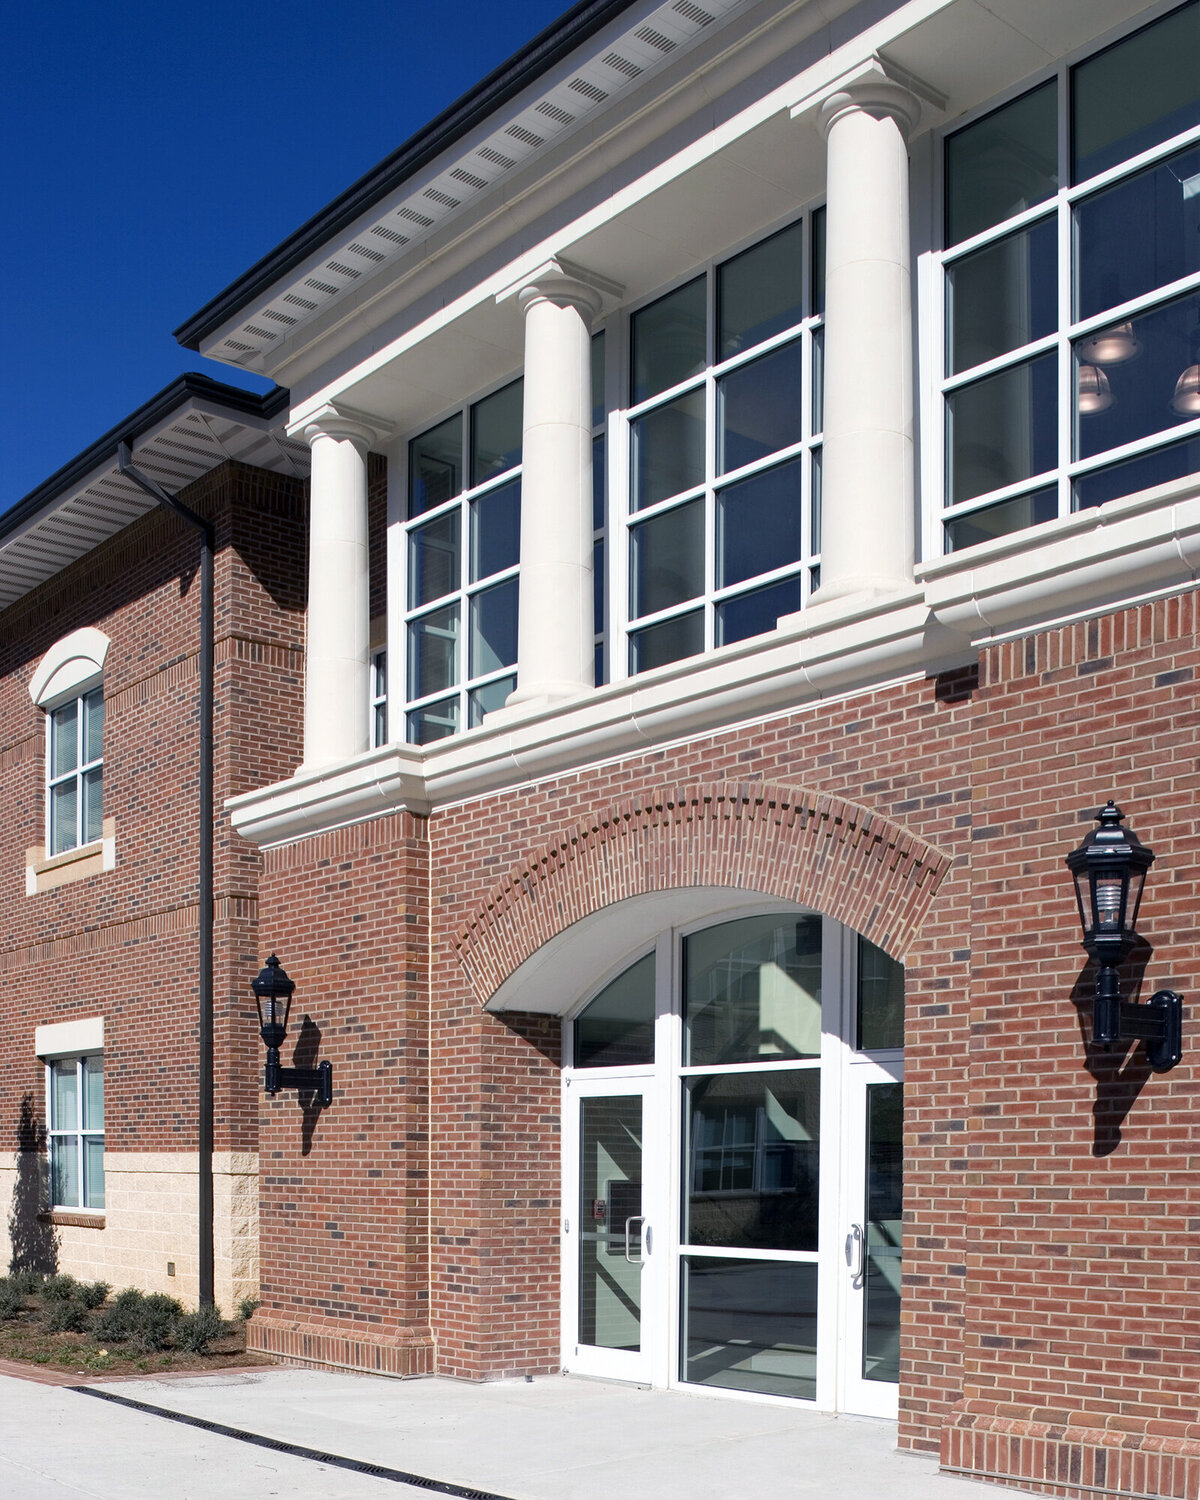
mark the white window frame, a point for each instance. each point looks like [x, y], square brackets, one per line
[1060, 207]
[77, 1135]
[377, 694]
[623, 519]
[79, 773]
[465, 589]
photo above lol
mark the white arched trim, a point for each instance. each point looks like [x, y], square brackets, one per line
[71, 666]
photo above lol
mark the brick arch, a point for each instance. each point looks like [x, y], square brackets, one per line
[824, 852]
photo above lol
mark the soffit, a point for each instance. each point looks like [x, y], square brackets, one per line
[95, 501]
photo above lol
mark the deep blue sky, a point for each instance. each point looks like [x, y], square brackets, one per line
[153, 152]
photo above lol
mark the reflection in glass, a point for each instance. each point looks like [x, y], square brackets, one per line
[488, 698]
[435, 466]
[669, 641]
[760, 292]
[818, 262]
[1175, 461]
[752, 990]
[1141, 389]
[496, 432]
[93, 1093]
[433, 560]
[668, 340]
[597, 352]
[610, 1227]
[93, 1172]
[1002, 429]
[433, 722]
[598, 588]
[598, 483]
[64, 738]
[1114, 266]
[750, 1325]
[494, 628]
[433, 651]
[495, 530]
[64, 815]
[759, 524]
[666, 564]
[64, 1095]
[885, 1209]
[93, 724]
[818, 380]
[758, 407]
[1001, 520]
[1133, 95]
[1002, 296]
[817, 486]
[1006, 162]
[92, 813]
[617, 1027]
[757, 612]
[753, 1156]
[667, 450]
[880, 999]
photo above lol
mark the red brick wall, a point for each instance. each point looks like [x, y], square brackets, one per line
[123, 943]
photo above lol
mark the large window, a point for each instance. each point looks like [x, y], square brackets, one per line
[1072, 348]
[75, 1096]
[724, 421]
[463, 544]
[75, 772]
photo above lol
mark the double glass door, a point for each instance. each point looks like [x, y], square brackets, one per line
[733, 1166]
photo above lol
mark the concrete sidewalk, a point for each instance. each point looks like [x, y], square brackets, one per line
[553, 1438]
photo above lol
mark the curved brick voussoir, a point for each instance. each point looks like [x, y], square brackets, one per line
[824, 852]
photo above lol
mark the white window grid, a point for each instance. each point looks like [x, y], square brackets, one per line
[464, 693]
[83, 773]
[74, 1135]
[623, 519]
[379, 698]
[1061, 209]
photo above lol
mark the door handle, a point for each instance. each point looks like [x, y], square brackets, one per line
[856, 1252]
[635, 1219]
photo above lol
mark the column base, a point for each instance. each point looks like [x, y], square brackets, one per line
[407, 1352]
[1056, 1453]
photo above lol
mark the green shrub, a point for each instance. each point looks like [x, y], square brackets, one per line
[247, 1307]
[121, 1321]
[94, 1294]
[11, 1298]
[198, 1329]
[157, 1322]
[66, 1316]
[60, 1288]
[26, 1282]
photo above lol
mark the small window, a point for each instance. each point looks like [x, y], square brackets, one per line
[75, 1092]
[75, 772]
[880, 1021]
[379, 708]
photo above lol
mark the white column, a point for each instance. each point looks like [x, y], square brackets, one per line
[867, 509]
[336, 689]
[555, 656]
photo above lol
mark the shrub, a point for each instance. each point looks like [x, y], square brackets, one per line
[94, 1294]
[198, 1329]
[60, 1288]
[66, 1316]
[11, 1298]
[121, 1321]
[157, 1322]
[26, 1282]
[247, 1307]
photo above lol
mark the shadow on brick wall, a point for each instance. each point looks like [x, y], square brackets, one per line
[1121, 1071]
[34, 1240]
[308, 1046]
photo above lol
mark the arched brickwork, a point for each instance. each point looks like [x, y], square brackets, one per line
[823, 852]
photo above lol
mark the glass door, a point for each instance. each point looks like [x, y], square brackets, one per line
[607, 1238]
[873, 1210]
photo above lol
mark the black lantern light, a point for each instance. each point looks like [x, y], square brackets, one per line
[273, 992]
[1109, 868]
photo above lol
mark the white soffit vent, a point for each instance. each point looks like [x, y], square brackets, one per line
[185, 448]
[612, 70]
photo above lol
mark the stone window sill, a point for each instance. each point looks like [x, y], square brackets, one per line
[76, 1218]
[46, 874]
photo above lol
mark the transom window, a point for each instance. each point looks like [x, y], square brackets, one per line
[463, 544]
[75, 1090]
[1072, 348]
[75, 772]
[723, 494]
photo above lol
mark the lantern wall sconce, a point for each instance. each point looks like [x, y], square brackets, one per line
[273, 992]
[1109, 869]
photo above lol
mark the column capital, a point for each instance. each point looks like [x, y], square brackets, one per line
[877, 87]
[565, 284]
[337, 420]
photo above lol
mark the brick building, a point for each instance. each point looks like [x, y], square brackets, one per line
[752, 525]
